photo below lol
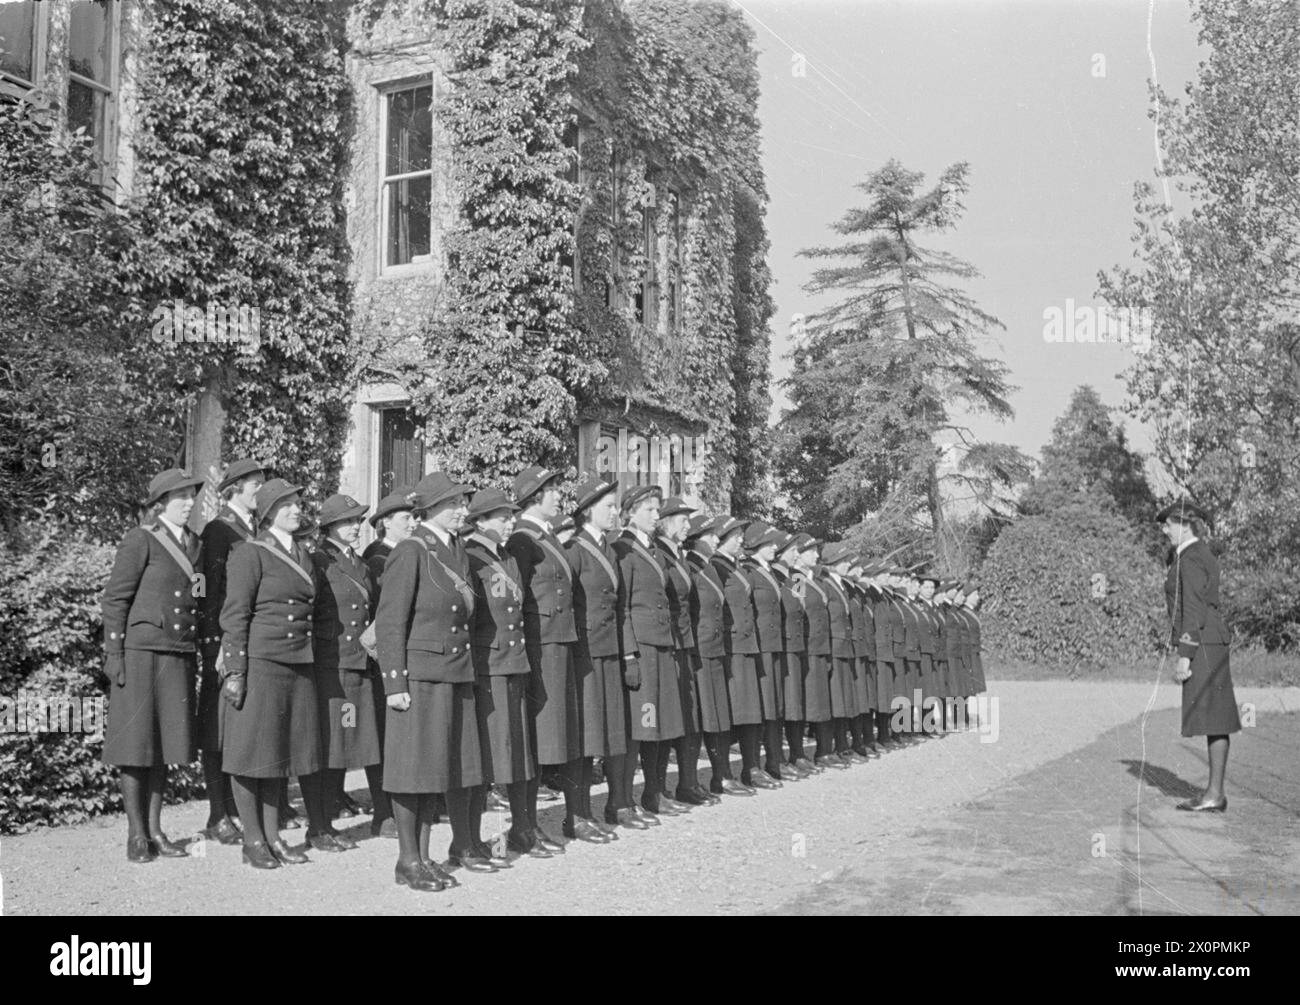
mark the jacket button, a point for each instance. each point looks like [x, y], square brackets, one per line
[510, 610]
[453, 629]
[455, 649]
[511, 627]
[289, 635]
[178, 593]
[354, 607]
[347, 638]
[291, 600]
[290, 617]
[353, 623]
[176, 627]
[112, 635]
[453, 607]
[176, 610]
[512, 642]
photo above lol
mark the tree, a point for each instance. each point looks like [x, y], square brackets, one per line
[1088, 459]
[1221, 383]
[874, 383]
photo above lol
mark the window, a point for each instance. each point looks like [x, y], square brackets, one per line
[92, 32]
[18, 43]
[574, 173]
[401, 450]
[647, 297]
[674, 236]
[407, 192]
[615, 263]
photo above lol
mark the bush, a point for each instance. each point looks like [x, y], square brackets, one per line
[51, 647]
[1038, 586]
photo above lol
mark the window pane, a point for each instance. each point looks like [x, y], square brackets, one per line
[409, 210]
[85, 111]
[410, 130]
[16, 27]
[88, 39]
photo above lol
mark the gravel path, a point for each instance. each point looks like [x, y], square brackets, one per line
[769, 852]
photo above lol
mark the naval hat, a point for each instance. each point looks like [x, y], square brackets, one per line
[566, 524]
[239, 470]
[804, 541]
[1183, 510]
[437, 487]
[674, 505]
[339, 508]
[635, 495]
[402, 498]
[271, 493]
[169, 481]
[487, 501]
[759, 534]
[730, 526]
[590, 489]
[702, 523]
[532, 480]
[307, 526]
[834, 552]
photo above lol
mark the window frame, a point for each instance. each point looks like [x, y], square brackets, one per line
[384, 92]
[18, 87]
[109, 91]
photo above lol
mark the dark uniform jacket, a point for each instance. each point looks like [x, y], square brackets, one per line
[221, 534]
[679, 595]
[793, 589]
[376, 557]
[738, 615]
[926, 629]
[888, 621]
[270, 599]
[911, 614]
[816, 606]
[708, 600]
[497, 634]
[837, 602]
[864, 627]
[598, 596]
[646, 581]
[547, 579]
[954, 635]
[1192, 597]
[425, 610]
[149, 600]
[345, 605]
[768, 619]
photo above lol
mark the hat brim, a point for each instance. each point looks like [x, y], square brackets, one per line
[451, 492]
[552, 477]
[507, 506]
[230, 480]
[351, 513]
[593, 498]
[265, 511]
[183, 484]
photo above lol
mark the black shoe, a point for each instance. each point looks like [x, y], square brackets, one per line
[582, 829]
[224, 831]
[164, 847]
[759, 779]
[729, 787]
[524, 843]
[469, 860]
[832, 761]
[440, 873]
[1200, 806]
[544, 840]
[259, 856]
[140, 849]
[546, 794]
[384, 828]
[324, 841]
[690, 797]
[417, 877]
[347, 807]
[708, 797]
[774, 773]
[287, 855]
[626, 818]
[645, 816]
[494, 851]
[347, 842]
[806, 766]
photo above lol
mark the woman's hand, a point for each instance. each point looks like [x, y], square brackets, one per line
[400, 701]
[1183, 671]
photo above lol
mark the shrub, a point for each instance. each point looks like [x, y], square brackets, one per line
[1038, 585]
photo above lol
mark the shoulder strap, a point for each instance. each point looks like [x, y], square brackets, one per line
[287, 561]
[174, 550]
[596, 553]
[462, 587]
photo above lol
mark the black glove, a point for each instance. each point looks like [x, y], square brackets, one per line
[234, 689]
[115, 668]
[632, 674]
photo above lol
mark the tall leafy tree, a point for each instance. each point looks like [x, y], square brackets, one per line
[876, 386]
[1220, 385]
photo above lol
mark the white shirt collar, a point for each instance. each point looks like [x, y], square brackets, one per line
[1186, 544]
[178, 532]
[596, 535]
[759, 560]
[284, 537]
[640, 535]
[390, 542]
[536, 521]
[241, 511]
[439, 533]
[671, 546]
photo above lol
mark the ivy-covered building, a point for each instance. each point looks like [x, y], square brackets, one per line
[479, 234]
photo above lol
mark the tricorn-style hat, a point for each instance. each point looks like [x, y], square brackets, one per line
[271, 493]
[169, 481]
[402, 498]
[487, 501]
[437, 487]
[635, 495]
[531, 480]
[674, 505]
[338, 508]
[591, 488]
[1183, 510]
[239, 470]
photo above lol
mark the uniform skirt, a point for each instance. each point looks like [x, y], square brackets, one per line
[912, 676]
[505, 741]
[686, 660]
[151, 717]
[977, 673]
[792, 699]
[817, 688]
[711, 693]
[211, 707]
[434, 745]
[743, 689]
[347, 711]
[771, 667]
[930, 675]
[884, 670]
[865, 685]
[844, 700]
[554, 703]
[276, 734]
[1209, 702]
[604, 719]
[655, 708]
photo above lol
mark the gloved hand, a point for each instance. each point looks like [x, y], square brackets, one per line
[115, 668]
[632, 674]
[234, 690]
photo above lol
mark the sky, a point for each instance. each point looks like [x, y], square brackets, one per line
[1047, 100]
